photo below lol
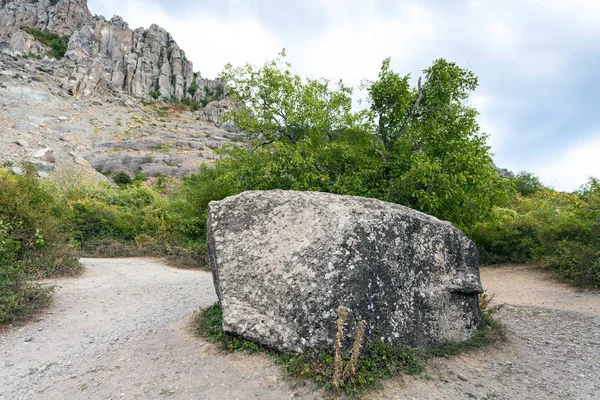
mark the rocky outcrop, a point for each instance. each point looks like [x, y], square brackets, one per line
[108, 56]
[283, 262]
[105, 56]
[63, 17]
[505, 173]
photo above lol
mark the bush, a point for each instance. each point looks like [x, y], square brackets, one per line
[134, 220]
[560, 231]
[58, 44]
[122, 179]
[32, 244]
[19, 299]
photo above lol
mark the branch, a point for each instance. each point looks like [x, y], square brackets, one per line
[413, 110]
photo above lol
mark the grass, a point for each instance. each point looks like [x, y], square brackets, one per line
[378, 360]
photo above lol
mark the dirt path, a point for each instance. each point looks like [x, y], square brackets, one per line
[553, 350]
[119, 332]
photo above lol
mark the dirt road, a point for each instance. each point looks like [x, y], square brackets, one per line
[119, 332]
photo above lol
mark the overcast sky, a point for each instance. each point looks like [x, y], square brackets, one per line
[538, 62]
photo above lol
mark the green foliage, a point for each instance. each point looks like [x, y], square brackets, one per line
[425, 151]
[32, 244]
[122, 178]
[277, 105]
[19, 298]
[378, 361]
[555, 229]
[155, 94]
[527, 183]
[193, 88]
[58, 44]
[437, 160]
[137, 219]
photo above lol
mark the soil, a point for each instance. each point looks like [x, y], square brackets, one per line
[121, 331]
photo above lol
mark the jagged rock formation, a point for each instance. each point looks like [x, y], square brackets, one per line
[40, 123]
[284, 261]
[104, 56]
[505, 173]
[80, 112]
[63, 17]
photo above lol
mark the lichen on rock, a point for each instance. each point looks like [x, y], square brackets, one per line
[284, 261]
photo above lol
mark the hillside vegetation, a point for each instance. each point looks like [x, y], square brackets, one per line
[419, 146]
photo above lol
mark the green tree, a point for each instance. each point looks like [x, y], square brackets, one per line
[418, 146]
[277, 105]
[527, 183]
[436, 158]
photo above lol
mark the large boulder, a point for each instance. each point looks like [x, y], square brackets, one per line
[284, 261]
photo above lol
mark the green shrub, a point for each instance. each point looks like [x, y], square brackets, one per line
[133, 220]
[558, 230]
[527, 183]
[122, 178]
[58, 44]
[32, 244]
[19, 298]
[155, 94]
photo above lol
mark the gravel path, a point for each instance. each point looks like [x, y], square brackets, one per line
[553, 350]
[120, 332]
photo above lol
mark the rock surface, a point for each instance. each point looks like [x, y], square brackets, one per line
[104, 56]
[283, 262]
[40, 122]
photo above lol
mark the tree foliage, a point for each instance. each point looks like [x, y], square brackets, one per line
[278, 105]
[418, 146]
[437, 160]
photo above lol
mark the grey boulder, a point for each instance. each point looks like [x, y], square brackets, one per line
[284, 261]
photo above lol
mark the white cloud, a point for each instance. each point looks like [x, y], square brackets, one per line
[523, 51]
[571, 168]
[210, 42]
[359, 38]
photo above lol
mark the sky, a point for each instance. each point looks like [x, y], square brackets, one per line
[538, 62]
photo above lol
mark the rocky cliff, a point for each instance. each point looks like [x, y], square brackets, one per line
[103, 56]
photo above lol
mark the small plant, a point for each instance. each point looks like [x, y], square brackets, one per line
[140, 177]
[8, 164]
[155, 94]
[122, 179]
[342, 374]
